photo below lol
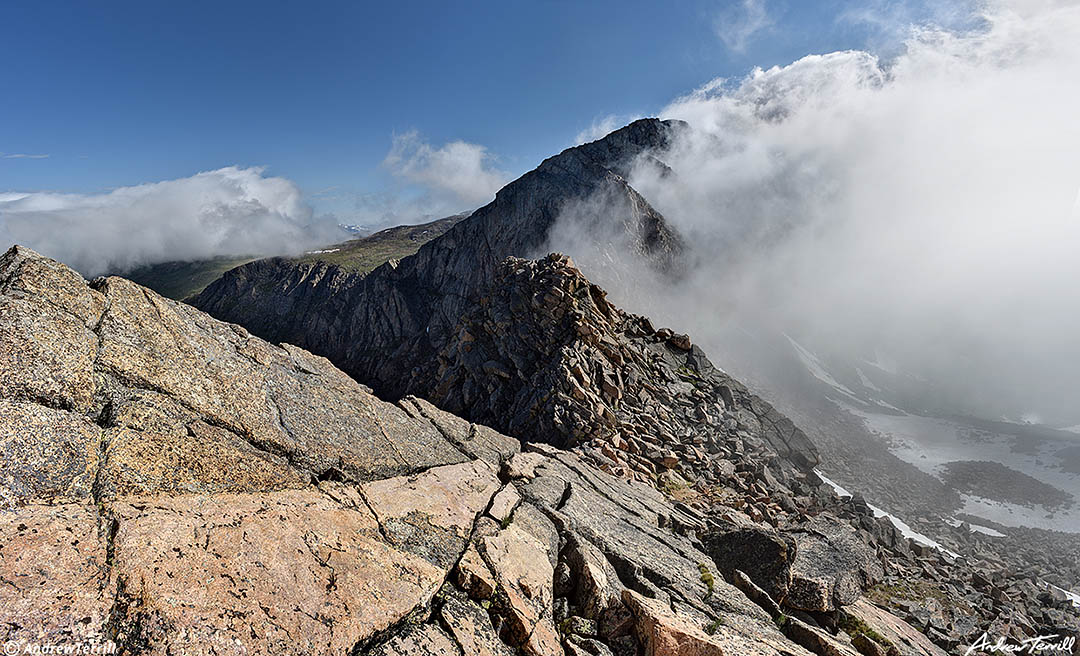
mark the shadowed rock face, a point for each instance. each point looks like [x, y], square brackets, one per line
[532, 349]
[175, 485]
[379, 326]
[543, 353]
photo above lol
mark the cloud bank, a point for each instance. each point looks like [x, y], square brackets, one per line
[924, 206]
[230, 211]
[457, 172]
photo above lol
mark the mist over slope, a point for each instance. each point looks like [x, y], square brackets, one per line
[920, 210]
[226, 212]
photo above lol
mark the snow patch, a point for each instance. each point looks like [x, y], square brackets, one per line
[1075, 598]
[975, 528]
[911, 533]
[889, 406]
[811, 362]
[900, 524]
[929, 443]
[840, 491]
[866, 382]
[1011, 514]
[886, 364]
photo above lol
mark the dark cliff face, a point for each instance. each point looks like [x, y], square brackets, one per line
[411, 327]
[379, 325]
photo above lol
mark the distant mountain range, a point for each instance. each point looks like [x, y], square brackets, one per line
[183, 280]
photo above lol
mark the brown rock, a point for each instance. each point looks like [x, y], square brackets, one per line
[663, 633]
[54, 577]
[287, 572]
[596, 585]
[49, 455]
[681, 341]
[524, 574]
[504, 503]
[474, 576]
[523, 465]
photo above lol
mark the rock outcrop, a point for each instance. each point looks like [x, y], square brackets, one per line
[535, 350]
[378, 326]
[175, 485]
[531, 348]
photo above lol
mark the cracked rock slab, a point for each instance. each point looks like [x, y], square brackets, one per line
[54, 583]
[471, 628]
[48, 455]
[524, 576]
[663, 633]
[432, 514]
[289, 572]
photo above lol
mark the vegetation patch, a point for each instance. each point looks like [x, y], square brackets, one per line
[365, 254]
[854, 626]
[707, 579]
[181, 280]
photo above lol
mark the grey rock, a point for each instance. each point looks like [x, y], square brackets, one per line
[832, 565]
[762, 552]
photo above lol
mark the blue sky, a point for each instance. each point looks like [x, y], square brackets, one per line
[124, 93]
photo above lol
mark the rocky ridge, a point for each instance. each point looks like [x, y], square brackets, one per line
[379, 326]
[532, 349]
[536, 351]
[177, 485]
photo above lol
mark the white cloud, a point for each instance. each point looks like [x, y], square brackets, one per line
[888, 23]
[22, 156]
[455, 172]
[230, 211]
[923, 204]
[738, 24]
[604, 126]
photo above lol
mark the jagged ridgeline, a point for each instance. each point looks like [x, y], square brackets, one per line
[533, 349]
[175, 485]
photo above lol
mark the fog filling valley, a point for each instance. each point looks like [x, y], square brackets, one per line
[229, 211]
[920, 210]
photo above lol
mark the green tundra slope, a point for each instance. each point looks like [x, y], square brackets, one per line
[182, 280]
